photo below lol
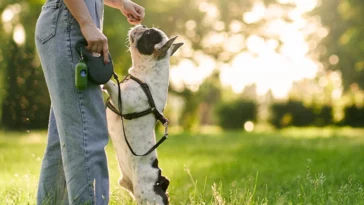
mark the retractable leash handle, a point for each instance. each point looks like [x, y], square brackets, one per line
[98, 72]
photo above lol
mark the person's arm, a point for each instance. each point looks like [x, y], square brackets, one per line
[133, 12]
[96, 40]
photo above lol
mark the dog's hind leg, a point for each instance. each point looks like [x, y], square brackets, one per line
[150, 186]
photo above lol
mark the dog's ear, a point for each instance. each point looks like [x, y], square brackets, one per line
[175, 47]
[162, 51]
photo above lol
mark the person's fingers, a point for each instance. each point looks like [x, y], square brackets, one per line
[141, 11]
[133, 12]
[100, 48]
[132, 21]
[105, 51]
[132, 18]
[94, 48]
[89, 46]
[142, 17]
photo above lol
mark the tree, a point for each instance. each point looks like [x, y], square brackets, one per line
[198, 23]
[343, 48]
[24, 102]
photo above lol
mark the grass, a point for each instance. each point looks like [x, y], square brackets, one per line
[292, 166]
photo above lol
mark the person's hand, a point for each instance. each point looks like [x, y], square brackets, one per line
[133, 12]
[96, 41]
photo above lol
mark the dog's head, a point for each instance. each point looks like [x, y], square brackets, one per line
[151, 43]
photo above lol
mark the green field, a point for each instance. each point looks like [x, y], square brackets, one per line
[292, 166]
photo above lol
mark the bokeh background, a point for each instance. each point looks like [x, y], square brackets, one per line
[254, 73]
[279, 62]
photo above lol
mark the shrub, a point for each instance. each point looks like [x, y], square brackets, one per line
[354, 116]
[323, 116]
[295, 113]
[232, 115]
[25, 99]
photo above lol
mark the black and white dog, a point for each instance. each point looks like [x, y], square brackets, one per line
[150, 51]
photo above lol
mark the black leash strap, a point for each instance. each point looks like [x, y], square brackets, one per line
[158, 115]
[147, 92]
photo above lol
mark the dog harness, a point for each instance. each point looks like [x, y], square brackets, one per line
[152, 109]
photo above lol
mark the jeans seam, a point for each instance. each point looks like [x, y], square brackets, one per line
[83, 120]
[68, 31]
[79, 94]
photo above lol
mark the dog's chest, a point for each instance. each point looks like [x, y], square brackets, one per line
[134, 98]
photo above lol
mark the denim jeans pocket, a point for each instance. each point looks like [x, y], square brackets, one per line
[47, 22]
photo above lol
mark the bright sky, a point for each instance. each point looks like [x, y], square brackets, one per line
[260, 64]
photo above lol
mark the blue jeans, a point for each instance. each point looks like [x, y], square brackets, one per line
[74, 167]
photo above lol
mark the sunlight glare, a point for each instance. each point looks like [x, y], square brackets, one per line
[183, 74]
[323, 32]
[255, 15]
[214, 38]
[272, 44]
[209, 9]
[255, 44]
[273, 11]
[235, 26]
[269, 70]
[336, 94]
[302, 5]
[272, 61]
[234, 43]
[10, 11]
[19, 34]
[187, 73]
[219, 26]
[191, 25]
[249, 126]
[305, 5]
[7, 15]
[334, 59]
[236, 74]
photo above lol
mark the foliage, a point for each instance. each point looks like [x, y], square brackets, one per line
[323, 115]
[24, 102]
[210, 92]
[354, 116]
[295, 113]
[343, 48]
[233, 115]
[189, 116]
[291, 166]
[199, 24]
[24, 94]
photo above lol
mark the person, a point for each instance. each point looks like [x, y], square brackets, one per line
[74, 167]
